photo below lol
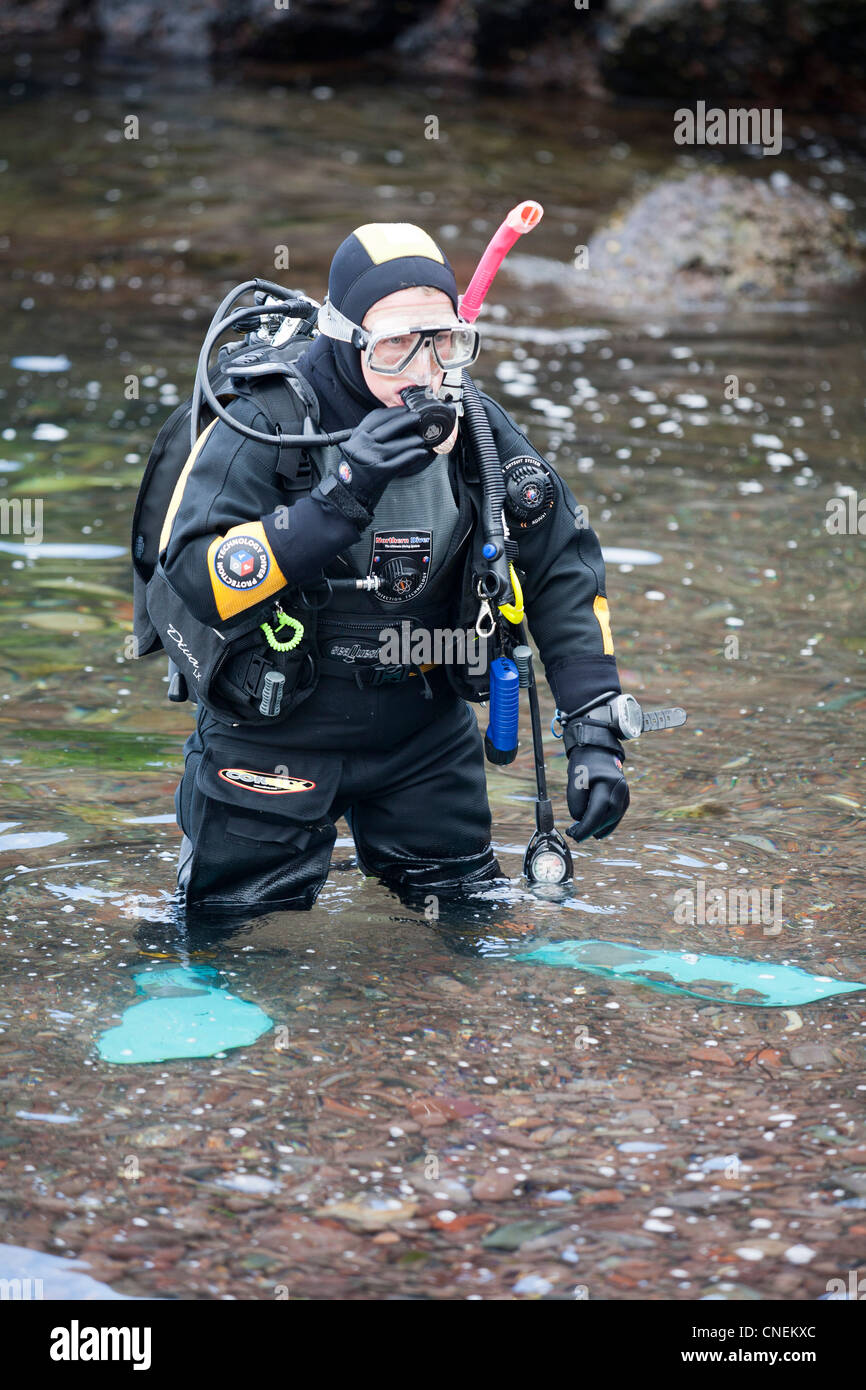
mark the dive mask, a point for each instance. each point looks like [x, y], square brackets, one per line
[390, 349]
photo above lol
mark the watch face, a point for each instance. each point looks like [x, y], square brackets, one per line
[548, 867]
[630, 716]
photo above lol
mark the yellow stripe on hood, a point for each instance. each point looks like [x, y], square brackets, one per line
[236, 592]
[384, 241]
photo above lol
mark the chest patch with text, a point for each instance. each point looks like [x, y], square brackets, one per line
[401, 560]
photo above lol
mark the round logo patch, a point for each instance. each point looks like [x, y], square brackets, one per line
[529, 492]
[271, 784]
[242, 562]
[345, 472]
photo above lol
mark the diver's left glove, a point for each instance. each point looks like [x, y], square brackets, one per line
[598, 794]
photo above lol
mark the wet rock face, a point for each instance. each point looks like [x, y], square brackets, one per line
[756, 47]
[197, 30]
[282, 30]
[806, 49]
[276, 30]
[721, 236]
[156, 26]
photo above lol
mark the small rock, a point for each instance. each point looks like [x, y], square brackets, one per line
[369, 1212]
[445, 1189]
[800, 1254]
[532, 1284]
[494, 1186]
[812, 1055]
[518, 1233]
[161, 1137]
[250, 1183]
[711, 1054]
[733, 1292]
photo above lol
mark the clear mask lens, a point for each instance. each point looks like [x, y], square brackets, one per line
[451, 347]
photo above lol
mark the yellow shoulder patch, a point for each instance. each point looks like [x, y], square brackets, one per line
[384, 241]
[602, 613]
[242, 569]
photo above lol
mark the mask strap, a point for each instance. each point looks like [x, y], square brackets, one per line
[335, 325]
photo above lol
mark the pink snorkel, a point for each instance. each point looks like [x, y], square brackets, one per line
[520, 220]
[492, 579]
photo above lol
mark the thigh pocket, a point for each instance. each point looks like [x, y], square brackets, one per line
[185, 793]
[270, 802]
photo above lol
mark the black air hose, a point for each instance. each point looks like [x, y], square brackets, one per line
[497, 581]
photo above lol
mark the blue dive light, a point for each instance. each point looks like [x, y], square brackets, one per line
[500, 739]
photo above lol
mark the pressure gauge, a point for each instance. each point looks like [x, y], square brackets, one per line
[547, 867]
[547, 859]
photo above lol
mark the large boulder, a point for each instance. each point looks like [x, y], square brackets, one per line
[711, 236]
[716, 237]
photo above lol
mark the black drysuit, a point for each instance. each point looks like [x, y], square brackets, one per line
[404, 761]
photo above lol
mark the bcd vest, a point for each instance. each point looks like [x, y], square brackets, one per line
[242, 672]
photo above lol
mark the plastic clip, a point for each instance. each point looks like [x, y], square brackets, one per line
[485, 616]
[283, 620]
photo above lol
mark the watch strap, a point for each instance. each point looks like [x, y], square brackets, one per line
[601, 714]
[670, 718]
[583, 733]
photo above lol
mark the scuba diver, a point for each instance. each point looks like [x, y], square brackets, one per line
[283, 565]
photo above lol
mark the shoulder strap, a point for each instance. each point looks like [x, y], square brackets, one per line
[286, 401]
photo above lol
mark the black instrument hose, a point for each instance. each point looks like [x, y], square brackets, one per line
[497, 580]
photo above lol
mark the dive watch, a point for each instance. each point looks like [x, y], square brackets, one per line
[619, 715]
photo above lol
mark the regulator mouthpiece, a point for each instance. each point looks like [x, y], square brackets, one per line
[436, 418]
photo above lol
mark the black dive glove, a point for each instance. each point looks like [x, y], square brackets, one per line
[598, 794]
[387, 444]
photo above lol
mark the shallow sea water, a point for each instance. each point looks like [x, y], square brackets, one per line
[428, 1117]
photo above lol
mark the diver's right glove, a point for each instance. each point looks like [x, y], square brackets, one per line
[386, 445]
